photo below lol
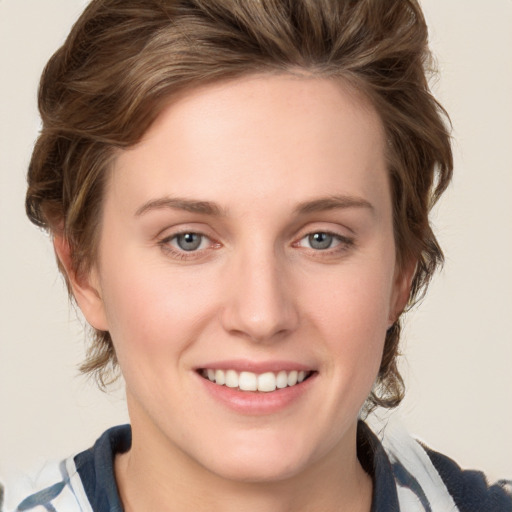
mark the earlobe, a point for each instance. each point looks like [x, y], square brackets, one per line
[85, 288]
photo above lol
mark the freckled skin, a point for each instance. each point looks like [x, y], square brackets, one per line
[259, 286]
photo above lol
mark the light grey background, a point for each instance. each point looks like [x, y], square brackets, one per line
[458, 344]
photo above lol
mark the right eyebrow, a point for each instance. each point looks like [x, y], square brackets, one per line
[178, 203]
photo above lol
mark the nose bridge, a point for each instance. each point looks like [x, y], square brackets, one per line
[260, 306]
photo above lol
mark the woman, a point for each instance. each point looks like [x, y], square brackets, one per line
[238, 194]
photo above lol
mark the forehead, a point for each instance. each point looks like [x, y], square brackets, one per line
[246, 137]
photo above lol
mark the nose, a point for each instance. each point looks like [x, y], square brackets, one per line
[259, 305]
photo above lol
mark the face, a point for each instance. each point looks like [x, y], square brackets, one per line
[246, 273]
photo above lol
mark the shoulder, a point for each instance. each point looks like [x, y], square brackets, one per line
[424, 475]
[81, 483]
[56, 487]
[470, 489]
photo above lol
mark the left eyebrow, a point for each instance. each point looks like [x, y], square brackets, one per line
[178, 203]
[332, 203]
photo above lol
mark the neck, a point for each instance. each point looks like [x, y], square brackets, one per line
[152, 478]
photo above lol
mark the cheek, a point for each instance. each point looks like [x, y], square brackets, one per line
[153, 309]
[356, 303]
[352, 316]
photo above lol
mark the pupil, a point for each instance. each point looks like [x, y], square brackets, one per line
[320, 240]
[189, 241]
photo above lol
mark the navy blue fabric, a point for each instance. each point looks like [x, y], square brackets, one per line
[376, 463]
[96, 469]
[470, 489]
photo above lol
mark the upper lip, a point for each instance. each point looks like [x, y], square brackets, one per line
[243, 365]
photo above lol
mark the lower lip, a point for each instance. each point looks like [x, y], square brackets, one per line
[258, 403]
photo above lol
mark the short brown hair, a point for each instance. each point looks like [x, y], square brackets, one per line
[123, 59]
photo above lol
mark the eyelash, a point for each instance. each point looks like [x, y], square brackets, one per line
[182, 254]
[344, 244]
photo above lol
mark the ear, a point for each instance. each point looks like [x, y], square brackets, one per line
[86, 288]
[401, 290]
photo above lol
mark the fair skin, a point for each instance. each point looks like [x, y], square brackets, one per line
[250, 231]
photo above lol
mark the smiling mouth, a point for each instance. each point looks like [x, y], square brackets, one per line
[249, 381]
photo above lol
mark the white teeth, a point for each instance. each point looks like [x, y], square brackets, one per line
[231, 379]
[292, 378]
[249, 381]
[267, 382]
[282, 380]
[220, 377]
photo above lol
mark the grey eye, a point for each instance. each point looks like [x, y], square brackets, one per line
[320, 241]
[189, 241]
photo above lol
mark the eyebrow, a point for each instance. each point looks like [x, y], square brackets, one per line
[213, 209]
[178, 203]
[333, 203]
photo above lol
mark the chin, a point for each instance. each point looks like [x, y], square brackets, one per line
[258, 462]
[258, 471]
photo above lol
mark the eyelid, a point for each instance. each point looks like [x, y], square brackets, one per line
[332, 228]
[167, 247]
[341, 238]
[345, 242]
